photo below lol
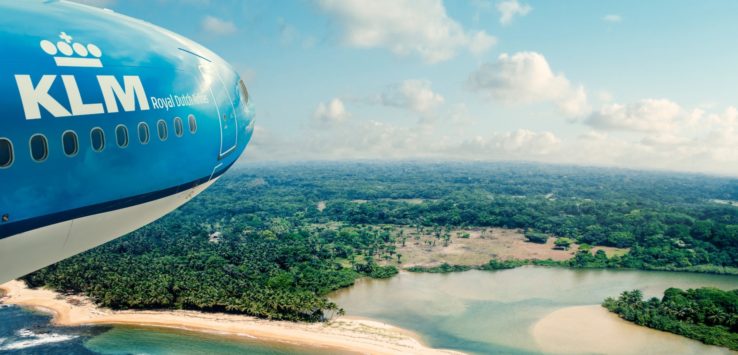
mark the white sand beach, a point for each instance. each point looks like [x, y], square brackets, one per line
[346, 333]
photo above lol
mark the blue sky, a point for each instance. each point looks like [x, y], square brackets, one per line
[641, 84]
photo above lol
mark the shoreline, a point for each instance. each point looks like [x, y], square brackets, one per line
[350, 334]
[726, 271]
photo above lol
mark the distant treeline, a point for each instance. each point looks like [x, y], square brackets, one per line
[279, 254]
[490, 266]
[706, 314]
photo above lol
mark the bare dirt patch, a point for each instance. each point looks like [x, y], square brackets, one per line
[410, 201]
[428, 246]
[611, 251]
[476, 246]
[482, 244]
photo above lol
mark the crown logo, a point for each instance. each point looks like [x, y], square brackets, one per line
[72, 54]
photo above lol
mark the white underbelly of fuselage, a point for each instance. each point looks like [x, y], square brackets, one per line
[32, 250]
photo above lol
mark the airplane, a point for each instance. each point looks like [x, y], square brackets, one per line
[108, 123]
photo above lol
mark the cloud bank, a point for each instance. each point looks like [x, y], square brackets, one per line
[526, 77]
[510, 9]
[216, 26]
[405, 27]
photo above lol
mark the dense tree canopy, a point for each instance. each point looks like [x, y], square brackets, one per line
[289, 234]
[706, 314]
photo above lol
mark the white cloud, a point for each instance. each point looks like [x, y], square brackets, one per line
[664, 139]
[573, 101]
[698, 153]
[659, 134]
[415, 95]
[216, 26]
[405, 27]
[702, 142]
[459, 115]
[510, 8]
[526, 77]
[728, 119]
[373, 139]
[521, 144]
[649, 115]
[289, 34]
[593, 135]
[604, 96]
[612, 18]
[330, 113]
[247, 73]
[267, 145]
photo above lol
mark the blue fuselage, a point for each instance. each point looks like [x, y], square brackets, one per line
[102, 112]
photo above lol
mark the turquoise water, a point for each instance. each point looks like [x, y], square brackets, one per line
[493, 312]
[129, 340]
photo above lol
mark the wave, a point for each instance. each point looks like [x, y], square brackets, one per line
[35, 339]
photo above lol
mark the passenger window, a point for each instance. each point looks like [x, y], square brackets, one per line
[121, 136]
[39, 147]
[193, 123]
[143, 133]
[70, 143]
[6, 153]
[97, 136]
[161, 127]
[178, 127]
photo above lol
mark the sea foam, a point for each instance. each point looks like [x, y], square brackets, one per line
[34, 339]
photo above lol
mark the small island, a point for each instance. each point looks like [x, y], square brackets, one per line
[706, 314]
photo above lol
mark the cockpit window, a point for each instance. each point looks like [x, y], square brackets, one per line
[39, 147]
[244, 92]
[70, 143]
[161, 127]
[178, 127]
[97, 138]
[6, 153]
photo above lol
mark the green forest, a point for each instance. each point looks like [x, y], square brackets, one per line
[272, 240]
[706, 314]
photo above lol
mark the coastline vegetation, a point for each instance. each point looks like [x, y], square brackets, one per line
[272, 240]
[706, 314]
[493, 264]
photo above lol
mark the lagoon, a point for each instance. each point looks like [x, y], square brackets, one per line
[512, 311]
